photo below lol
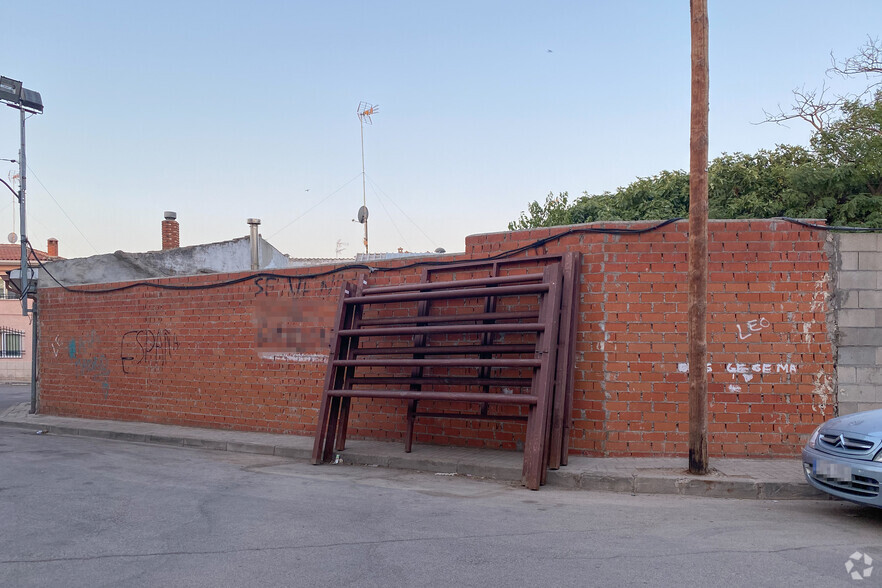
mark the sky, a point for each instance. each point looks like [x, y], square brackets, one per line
[223, 111]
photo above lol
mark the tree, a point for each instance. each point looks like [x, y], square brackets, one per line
[845, 183]
[755, 186]
[839, 178]
[553, 213]
[665, 195]
[850, 165]
[855, 139]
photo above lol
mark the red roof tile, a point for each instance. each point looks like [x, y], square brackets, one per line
[13, 252]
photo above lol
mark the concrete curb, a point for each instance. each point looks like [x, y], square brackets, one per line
[706, 486]
[626, 479]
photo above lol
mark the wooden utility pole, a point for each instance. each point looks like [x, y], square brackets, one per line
[698, 242]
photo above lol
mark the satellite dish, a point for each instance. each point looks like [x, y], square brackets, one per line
[362, 214]
[12, 237]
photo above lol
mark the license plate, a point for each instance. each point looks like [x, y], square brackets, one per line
[833, 471]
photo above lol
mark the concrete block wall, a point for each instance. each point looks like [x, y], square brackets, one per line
[857, 314]
[233, 357]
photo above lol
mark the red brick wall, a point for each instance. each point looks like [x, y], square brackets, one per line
[228, 358]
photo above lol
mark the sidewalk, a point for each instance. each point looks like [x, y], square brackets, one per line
[772, 479]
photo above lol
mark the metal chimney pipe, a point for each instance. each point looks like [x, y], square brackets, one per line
[255, 250]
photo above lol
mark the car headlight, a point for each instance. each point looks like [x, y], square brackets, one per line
[813, 440]
[878, 456]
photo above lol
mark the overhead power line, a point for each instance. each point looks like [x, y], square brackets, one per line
[391, 220]
[61, 208]
[314, 206]
[413, 222]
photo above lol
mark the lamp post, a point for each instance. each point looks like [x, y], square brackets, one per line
[13, 94]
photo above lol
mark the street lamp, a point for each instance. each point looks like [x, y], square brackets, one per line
[13, 94]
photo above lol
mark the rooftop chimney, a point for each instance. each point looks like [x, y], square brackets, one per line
[170, 233]
[255, 250]
[52, 247]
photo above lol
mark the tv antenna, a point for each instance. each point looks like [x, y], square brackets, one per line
[365, 111]
[341, 247]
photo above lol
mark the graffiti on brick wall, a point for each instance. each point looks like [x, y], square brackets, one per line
[89, 364]
[822, 392]
[819, 300]
[752, 326]
[263, 285]
[747, 370]
[293, 330]
[684, 368]
[290, 285]
[146, 348]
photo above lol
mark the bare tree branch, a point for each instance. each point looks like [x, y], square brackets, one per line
[812, 106]
[868, 61]
[819, 107]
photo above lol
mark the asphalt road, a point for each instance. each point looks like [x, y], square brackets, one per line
[88, 512]
[11, 394]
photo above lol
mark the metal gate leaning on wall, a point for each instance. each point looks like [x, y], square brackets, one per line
[475, 341]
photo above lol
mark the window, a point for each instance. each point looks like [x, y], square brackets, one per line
[11, 343]
[6, 293]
